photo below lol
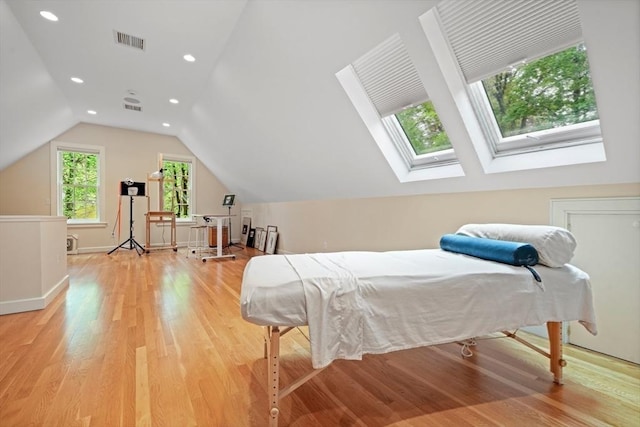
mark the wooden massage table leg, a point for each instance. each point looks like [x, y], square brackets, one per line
[556, 362]
[272, 348]
[272, 354]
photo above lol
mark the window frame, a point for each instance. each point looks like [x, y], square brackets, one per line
[381, 83]
[415, 161]
[382, 135]
[560, 137]
[492, 161]
[59, 147]
[191, 160]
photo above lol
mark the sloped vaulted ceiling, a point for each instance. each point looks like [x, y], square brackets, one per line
[39, 57]
[272, 122]
[32, 107]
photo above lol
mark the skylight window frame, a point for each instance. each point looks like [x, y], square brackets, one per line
[559, 137]
[367, 111]
[382, 83]
[412, 160]
[517, 158]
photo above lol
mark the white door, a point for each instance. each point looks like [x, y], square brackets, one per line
[608, 236]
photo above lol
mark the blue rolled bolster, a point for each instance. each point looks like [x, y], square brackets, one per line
[503, 251]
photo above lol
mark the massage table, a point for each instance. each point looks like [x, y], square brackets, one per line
[357, 303]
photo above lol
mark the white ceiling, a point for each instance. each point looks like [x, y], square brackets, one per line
[261, 106]
[82, 43]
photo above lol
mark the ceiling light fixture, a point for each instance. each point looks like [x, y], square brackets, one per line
[48, 15]
[77, 80]
[174, 101]
[189, 58]
[165, 124]
[92, 112]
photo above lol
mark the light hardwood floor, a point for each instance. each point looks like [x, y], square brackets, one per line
[158, 340]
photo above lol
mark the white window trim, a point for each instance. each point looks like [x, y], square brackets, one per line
[56, 185]
[412, 160]
[380, 133]
[491, 160]
[184, 158]
[561, 137]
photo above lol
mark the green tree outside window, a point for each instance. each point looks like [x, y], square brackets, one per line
[552, 92]
[79, 181]
[423, 129]
[177, 187]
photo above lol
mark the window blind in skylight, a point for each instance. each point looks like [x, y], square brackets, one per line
[389, 77]
[489, 36]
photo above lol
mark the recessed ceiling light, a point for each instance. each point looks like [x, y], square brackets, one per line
[92, 112]
[189, 58]
[174, 101]
[77, 80]
[48, 15]
[166, 124]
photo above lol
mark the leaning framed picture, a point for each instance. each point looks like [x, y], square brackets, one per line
[256, 240]
[271, 228]
[272, 240]
[246, 226]
[251, 238]
[262, 240]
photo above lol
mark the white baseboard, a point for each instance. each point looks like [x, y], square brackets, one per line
[30, 304]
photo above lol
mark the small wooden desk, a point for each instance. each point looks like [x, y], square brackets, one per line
[218, 223]
[160, 217]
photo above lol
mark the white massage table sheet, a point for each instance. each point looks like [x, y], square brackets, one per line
[376, 302]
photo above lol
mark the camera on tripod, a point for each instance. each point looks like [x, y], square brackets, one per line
[130, 188]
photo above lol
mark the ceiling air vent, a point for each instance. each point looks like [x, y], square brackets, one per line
[129, 40]
[132, 107]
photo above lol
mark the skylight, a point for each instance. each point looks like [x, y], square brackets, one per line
[386, 90]
[524, 93]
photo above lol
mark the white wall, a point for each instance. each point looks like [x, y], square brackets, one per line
[33, 261]
[409, 222]
[129, 154]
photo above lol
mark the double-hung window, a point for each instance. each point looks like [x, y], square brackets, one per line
[178, 186]
[386, 89]
[79, 176]
[526, 71]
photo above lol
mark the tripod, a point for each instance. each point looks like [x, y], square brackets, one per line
[131, 241]
[230, 241]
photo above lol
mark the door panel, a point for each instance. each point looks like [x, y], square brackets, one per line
[608, 234]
